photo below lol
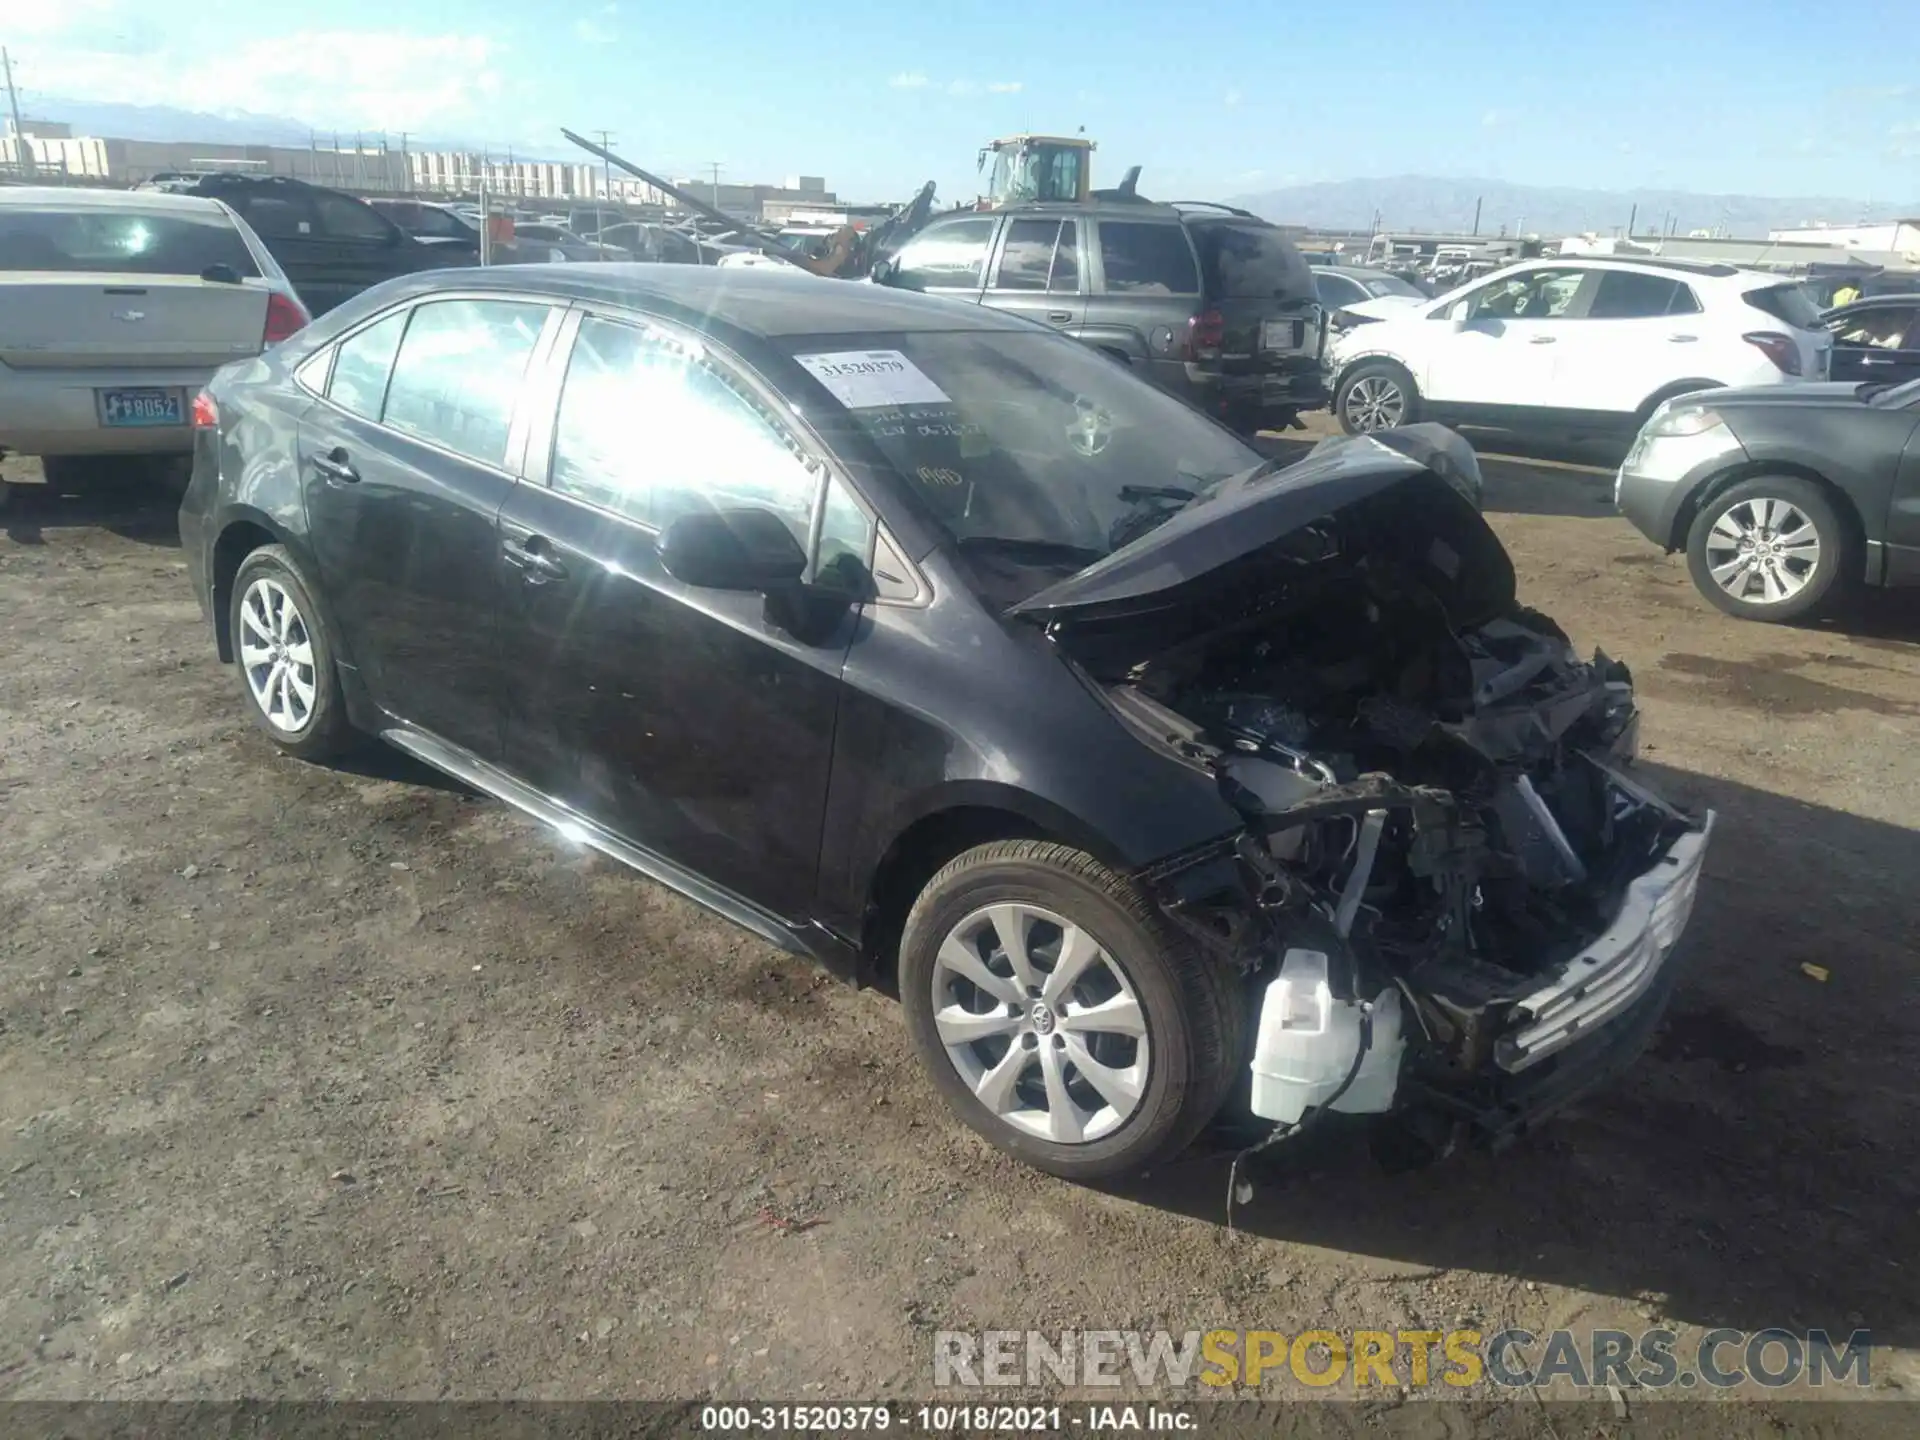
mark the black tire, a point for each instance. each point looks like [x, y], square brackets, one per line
[1195, 1011]
[1744, 506]
[1375, 382]
[319, 730]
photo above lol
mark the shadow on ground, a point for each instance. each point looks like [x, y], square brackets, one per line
[1754, 1169]
[131, 503]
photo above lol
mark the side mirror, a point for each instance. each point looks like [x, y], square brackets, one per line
[883, 269]
[738, 549]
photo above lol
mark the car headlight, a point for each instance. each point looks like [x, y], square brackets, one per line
[1669, 422]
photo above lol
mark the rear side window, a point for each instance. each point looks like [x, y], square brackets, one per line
[457, 377]
[361, 366]
[1788, 304]
[1147, 259]
[1250, 262]
[1632, 295]
[76, 240]
[342, 218]
[950, 257]
[1038, 255]
[275, 217]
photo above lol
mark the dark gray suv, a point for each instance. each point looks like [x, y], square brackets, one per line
[1208, 302]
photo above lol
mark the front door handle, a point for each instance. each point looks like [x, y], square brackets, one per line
[1683, 339]
[533, 559]
[335, 465]
[1541, 340]
[1060, 317]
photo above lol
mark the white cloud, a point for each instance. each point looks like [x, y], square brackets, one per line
[1230, 99]
[1493, 119]
[962, 87]
[909, 80]
[372, 79]
[1006, 87]
[594, 29]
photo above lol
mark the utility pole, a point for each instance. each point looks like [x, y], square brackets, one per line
[1476, 214]
[1632, 215]
[714, 165]
[406, 162]
[22, 151]
[606, 170]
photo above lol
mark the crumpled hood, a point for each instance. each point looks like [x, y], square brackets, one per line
[1432, 510]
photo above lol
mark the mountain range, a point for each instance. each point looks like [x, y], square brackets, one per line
[1426, 203]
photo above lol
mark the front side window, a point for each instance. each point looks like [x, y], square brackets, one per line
[361, 366]
[1034, 454]
[1530, 295]
[457, 378]
[1147, 259]
[1880, 329]
[949, 257]
[652, 429]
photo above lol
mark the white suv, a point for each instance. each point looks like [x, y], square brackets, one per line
[1581, 343]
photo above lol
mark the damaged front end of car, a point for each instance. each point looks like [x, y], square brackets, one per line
[1452, 894]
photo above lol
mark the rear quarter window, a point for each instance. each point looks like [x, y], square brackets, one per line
[1789, 304]
[106, 242]
[1144, 258]
[1247, 261]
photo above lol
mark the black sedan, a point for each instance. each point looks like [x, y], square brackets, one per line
[1785, 498]
[923, 640]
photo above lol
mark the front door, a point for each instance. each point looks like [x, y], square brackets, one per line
[1635, 334]
[1878, 342]
[405, 466]
[685, 720]
[1495, 349]
[1036, 273]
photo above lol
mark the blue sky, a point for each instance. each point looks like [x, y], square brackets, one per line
[1746, 96]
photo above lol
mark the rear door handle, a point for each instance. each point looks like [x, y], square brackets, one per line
[1060, 317]
[534, 559]
[335, 465]
[1683, 339]
[1541, 340]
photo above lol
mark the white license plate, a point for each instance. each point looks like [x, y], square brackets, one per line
[132, 408]
[1281, 334]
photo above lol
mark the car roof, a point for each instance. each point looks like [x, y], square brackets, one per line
[1355, 272]
[751, 301]
[139, 202]
[1101, 209]
[1705, 269]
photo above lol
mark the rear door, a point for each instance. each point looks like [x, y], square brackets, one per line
[1145, 291]
[1639, 333]
[685, 720]
[405, 465]
[1036, 272]
[1878, 342]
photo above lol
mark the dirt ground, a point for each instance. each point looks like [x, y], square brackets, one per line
[347, 1083]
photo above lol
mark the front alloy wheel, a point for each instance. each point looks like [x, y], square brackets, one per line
[1041, 1023]
[1060, 1015]
[1770, 548]
[1376, 395]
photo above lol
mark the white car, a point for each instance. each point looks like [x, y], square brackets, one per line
[1584, 343]
[116, 307]
[1356, 292]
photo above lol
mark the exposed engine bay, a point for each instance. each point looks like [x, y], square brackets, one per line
[1446, 859]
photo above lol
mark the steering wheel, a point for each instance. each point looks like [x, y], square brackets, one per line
[1091, 429]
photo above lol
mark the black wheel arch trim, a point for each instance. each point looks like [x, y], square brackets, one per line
[1755, 468]
[237, 516]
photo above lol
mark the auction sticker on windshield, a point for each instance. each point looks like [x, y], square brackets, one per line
[871, 379]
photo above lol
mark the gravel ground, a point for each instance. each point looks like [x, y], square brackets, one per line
[347, 1083]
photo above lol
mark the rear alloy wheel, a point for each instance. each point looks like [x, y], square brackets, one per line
[1058, 1015]
[285, 658]
[1376, 395]
[1770, 548]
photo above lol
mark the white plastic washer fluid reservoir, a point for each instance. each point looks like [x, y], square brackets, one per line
[1308, 1039]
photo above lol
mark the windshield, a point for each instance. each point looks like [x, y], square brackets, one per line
[1377, 286]
[97, 241]
[1036, 455]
